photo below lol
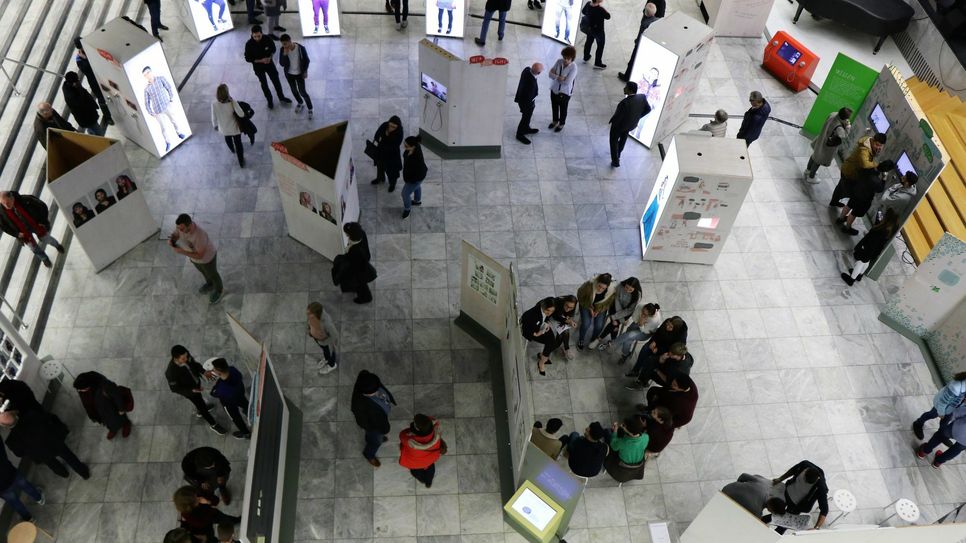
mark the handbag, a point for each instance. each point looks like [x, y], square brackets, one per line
[372, 151]
[584, 25]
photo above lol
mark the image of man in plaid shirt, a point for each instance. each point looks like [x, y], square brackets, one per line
[158, 95]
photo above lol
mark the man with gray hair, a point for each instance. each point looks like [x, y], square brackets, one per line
[754, 119]
[526, 96]
[718, 126]
[650, 15]
[47, 117]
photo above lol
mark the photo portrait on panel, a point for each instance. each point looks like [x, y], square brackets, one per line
[325, 211]
[307, 200]
[157, 96]
[102, 198]
[81, 212]
[124, 185]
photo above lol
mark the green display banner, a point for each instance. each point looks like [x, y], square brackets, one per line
[847, 85]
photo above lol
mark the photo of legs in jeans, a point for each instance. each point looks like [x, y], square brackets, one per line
[208, 4]
[322, 5]
[563, 12]
[440, 20]
[167, 116]
[12, 495]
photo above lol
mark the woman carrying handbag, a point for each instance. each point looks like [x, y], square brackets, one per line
[225, 116]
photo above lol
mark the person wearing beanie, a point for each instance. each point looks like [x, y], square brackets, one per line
[629, 112]
[586, 453]
[387, 139]
[371, 404]
[105, 402]
[82, 105]
[184, 377]
[420, 446]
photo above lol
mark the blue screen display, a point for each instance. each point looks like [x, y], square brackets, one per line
[788, 52]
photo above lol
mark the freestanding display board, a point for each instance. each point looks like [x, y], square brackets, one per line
[446, 18]
[461, 103]
[316, 182]
[561, 20]
[133, 74]
[847, 84]
[319, 18]
[95, 189]
[736, 18]
[667, 68]
[695, 200]
[205, 18]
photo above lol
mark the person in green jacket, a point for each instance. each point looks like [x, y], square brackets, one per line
[629, 440]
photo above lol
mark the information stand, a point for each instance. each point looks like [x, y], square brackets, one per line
[316, 183]
[533, 513]
[97, 193]
[205, 18]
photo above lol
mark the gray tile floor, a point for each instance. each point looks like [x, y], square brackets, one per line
[790, 365]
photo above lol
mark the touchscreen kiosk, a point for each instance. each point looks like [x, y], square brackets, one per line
[533, 511]
[904, 164]
[879, 121]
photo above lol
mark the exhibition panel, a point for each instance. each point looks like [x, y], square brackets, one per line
[736, 18]
[319, 18]
[205, 18]
[561, 20]
[446, 18]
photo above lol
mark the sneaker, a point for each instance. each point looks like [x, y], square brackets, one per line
[206, 288]
[241, 435]
[917, 430]
[559, 127]
[405, 24]
[326, 28]
[218, 429]
[398, 27]
[326, 369]
[417, 202]
[215, 297]
[521, 138]
[615, 164]
[280, 28]
[406, 213]
[593, 345]
[479, 42]
[919, 454]
[552, 125]
[315, 30]
[569, 353]
[374, 462]
[310, 113]
[298, 108]
[285, 100]
[935, 461]
[600, 66]
[181, 136]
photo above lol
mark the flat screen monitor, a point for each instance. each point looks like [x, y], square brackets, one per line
[879, 120]
[789, 53]
[433, 87]
[653, 69]
[904, 165]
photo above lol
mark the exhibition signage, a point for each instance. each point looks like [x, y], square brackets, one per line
[847, 84]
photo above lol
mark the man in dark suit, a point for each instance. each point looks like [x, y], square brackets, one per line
[42, 437]
[647, 19]
[526, 96]
[629, 112]
[754, 119]
[184, 379]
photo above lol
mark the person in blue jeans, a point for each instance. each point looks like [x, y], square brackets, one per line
[503, 6]
[953, 426]
[595, 298]
[946, 400]
[371, 404]
[12, 482]
[414, 172]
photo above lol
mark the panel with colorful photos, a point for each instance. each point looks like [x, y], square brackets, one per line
[102, 198]
[316, 205]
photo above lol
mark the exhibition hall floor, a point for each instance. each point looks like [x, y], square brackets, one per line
[789, 363]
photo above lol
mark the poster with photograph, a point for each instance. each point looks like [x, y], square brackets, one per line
[445, 18]
[319, 18]
[483, 279]
[102, 198]
[561, 20]
[316, 204]
[653, 71]
[209, 17]
[157, 96]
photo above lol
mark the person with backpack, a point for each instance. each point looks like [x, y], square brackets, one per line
[225, 113]
[25, 217]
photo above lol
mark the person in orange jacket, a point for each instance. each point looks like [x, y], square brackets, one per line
[420, 446]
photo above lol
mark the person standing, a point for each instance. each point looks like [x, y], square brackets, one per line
[420, 446]
[861, 192]
[154, 11]
[953, 426]
[26, 218]
[105, 402]
[371, 404]
[225, 113]
[259, 51]
[402, 15]
[42, 437]
[648, 17]
[19, 394]
[944, 402]
[47, 117]
[862, 160]
[535, 326]
[184, 377]
[387, 139]
[351, 271]
[294, 60]
[491, 6]
[230, 391]
[829, 142]
[754, 119]
[718, 125]
[595, 15]
[192, 241]
[323, 331]
[207, 470]
[595, 297]
[84, 65]
[414, 172]
[526, 96]
[252, 12]
[12, 482]
[629, 112]
[82, 105]
[158, 97]
[273, 10]
[562, 77]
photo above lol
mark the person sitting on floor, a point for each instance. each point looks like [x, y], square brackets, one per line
[547, 439]
[586, 453]
[677, 359]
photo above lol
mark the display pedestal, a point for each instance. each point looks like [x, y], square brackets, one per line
[736, 18]
[461, 103]
[205, 18]
[79, 168]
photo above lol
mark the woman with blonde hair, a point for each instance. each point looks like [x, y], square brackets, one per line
[322, 330]
[224, 118]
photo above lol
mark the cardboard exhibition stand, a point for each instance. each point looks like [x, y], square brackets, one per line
[78, 165]
[461, 105]
[695, 200]
[736, 18]
[316, 183]
[141, 94]
[205, 18]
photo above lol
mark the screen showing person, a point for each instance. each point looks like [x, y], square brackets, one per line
[904, 165]
[433, 87]
[103, 198]
[445, 17]
[211, 17]
[561, 20]
[157, 96]
[124, 186]
[81, 212]
[319, 18]
[653, 69]
[325, 211]
[879, 120]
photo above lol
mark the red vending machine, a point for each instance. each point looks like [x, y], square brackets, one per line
[789, 61]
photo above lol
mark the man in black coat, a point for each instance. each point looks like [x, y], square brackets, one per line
[754, 119]
[527, 91]
[19, 394]
[84, 65]
[184, 377]
[82, 105]
[46, 118]
[41, 437]
[371, 404]
[647, 19]
[629, 112]
[25, 217]
[206, 469]
[12, 482]
[259, 51]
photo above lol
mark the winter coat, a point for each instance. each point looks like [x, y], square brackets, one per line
[414, 167]
[860, 160]
[388, 146]
[368, 414]
[231, 391]
[103, 402]
[196, 476]
[420, 452]
[753, 122]
[183, 380]
[41, 125]
[586, 294]
[33, 206]
[822, 154]
[82, 105]
[352, 269]
[38, 435]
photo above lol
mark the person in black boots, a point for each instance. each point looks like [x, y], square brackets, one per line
[535, 325]
[388, 139]
[526, 96]
[594, 23]
[629, 112]
[84, 65]
[352, 271]
[154, 10]
[259, 51]
[371, 404]
[206, 469]
[184, 377]
[871, 245]
[42, 437]
[105, 402]
[26, 218]
[82, 105]
[414, 172]
[647, 19]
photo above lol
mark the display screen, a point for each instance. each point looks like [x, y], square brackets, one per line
[319, 18]
[536, 511]
[433, 87]
[445, 18]
[904, 165]
[789, 53]
[660, 193]
[561, 20]
[157, 99]
[210, 17]
[652, 71]
[879, 120]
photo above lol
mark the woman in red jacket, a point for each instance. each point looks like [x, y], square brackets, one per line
[420, 446]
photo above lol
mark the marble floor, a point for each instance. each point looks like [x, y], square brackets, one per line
[790, 364]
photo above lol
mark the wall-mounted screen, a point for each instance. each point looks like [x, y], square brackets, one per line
[652, 71]
[157, 98]
[660, 193]
[211, 17]
[319, 18]
[445, 18]
[433, 87]
[904, 165]
[561, 19]
[789, 53]
[879, 120]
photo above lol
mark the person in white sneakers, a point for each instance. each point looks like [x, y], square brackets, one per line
[294, 60]
[322, 330]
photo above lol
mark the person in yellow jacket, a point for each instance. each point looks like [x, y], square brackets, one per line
[863, 158]
[595, 297]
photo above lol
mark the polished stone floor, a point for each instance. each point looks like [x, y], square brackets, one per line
[790, 364]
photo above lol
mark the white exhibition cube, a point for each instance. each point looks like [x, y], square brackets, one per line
[667, 68]
[316, 183]
[95, 189]
[695, 200]
[446, 18]
[205, 18]
[133, 74]
[737, 18]
[319, 18]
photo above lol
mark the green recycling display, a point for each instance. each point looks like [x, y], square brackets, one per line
[847, 85]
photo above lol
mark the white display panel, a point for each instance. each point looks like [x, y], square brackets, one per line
[210, 17]
[157, 97]
[652, 71]
[319, 18]
[561, 20]
[445, 18]
[657, 201]
[536, 511]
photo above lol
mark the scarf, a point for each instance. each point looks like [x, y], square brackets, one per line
[31, 227]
